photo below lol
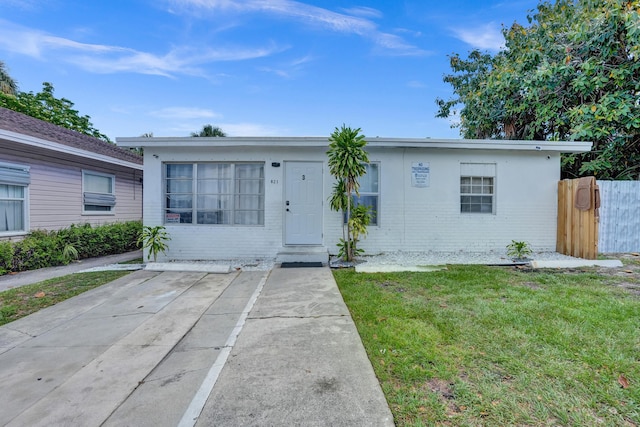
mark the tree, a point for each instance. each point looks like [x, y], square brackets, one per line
[572, 74]
[8, 85]
[347, 158]
[45, 106]
[208, 130]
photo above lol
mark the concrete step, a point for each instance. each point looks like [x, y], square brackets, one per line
[303, 254]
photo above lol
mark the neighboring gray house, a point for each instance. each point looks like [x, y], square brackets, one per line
[52, 177]
[221, 198]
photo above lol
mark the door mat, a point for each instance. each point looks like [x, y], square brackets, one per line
[300, 264]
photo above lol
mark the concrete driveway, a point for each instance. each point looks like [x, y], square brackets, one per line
[190, 348]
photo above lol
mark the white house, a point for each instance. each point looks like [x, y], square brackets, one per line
[221, 198]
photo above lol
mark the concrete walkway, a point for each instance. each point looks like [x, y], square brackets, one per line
[23, 278]
[191, 348]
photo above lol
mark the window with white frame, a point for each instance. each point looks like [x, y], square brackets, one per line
[14, 187]
[477, 187]
[369, 191]
[214, 193]
[98, 192]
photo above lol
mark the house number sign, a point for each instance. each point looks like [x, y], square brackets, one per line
[420, 174]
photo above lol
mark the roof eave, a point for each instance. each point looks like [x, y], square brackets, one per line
[468, 144]
[54, 146]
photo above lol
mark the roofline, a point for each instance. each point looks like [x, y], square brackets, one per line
[313, 141]
[62, 148]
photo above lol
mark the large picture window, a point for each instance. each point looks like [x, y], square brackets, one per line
[214, 193]
[98, 192]
[14, 186]
[477, 188]
[369, 191]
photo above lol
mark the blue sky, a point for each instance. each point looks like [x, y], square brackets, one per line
[252, 67]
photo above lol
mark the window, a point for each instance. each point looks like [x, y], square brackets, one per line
[14, 185]
[477, 188]
[214, 193]
[98, 192]
[369, 191]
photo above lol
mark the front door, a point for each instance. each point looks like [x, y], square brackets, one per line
[303, 203]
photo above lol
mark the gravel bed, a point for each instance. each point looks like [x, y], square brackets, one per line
[391, 258]
[442, 258]
[244, 264]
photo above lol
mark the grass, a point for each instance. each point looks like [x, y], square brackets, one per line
[19, 302]
[133, 261]
[490, 346]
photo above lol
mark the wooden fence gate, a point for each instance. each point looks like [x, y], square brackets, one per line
[578, 203]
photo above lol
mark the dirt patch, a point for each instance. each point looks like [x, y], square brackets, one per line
[532, 285]
[444, 391]
[392, 285]
[627, 276]
[441, 388]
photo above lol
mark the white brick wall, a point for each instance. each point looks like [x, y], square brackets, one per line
[410, 218]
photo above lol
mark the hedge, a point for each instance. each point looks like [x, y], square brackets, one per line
[46, 248]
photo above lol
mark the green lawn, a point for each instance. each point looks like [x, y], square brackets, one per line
[22, 301]
[493, 346]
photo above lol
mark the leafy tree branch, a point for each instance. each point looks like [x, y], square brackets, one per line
[572, 74]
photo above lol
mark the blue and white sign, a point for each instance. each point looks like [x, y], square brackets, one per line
[419, 174]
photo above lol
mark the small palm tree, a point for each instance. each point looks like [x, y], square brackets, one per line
[347, 159]
[208, 130]
[155, 239]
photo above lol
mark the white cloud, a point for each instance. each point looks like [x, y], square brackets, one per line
[396, 45]
[313, 15]
[112, 59]
[289, 69]
[251, 129]
[415, 84]
[488, 36]
[278, 72]
[184, 127]
[366, 12]
[22, 4]
[303, 60]
[185, 113]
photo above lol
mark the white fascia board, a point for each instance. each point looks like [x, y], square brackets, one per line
[55, 146]
[484, 144]
[232, 141]
[464, 144]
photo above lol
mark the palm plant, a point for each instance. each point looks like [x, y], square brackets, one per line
[519, 250]
[208, 130]
[346, 158]
[155, 239]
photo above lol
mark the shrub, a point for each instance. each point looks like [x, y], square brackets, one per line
[47, 248]
[39, 249]
[519, 250]
[6, 257]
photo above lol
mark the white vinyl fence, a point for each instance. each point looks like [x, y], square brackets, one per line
[619, 229]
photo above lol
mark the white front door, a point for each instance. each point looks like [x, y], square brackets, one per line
[303, 203]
